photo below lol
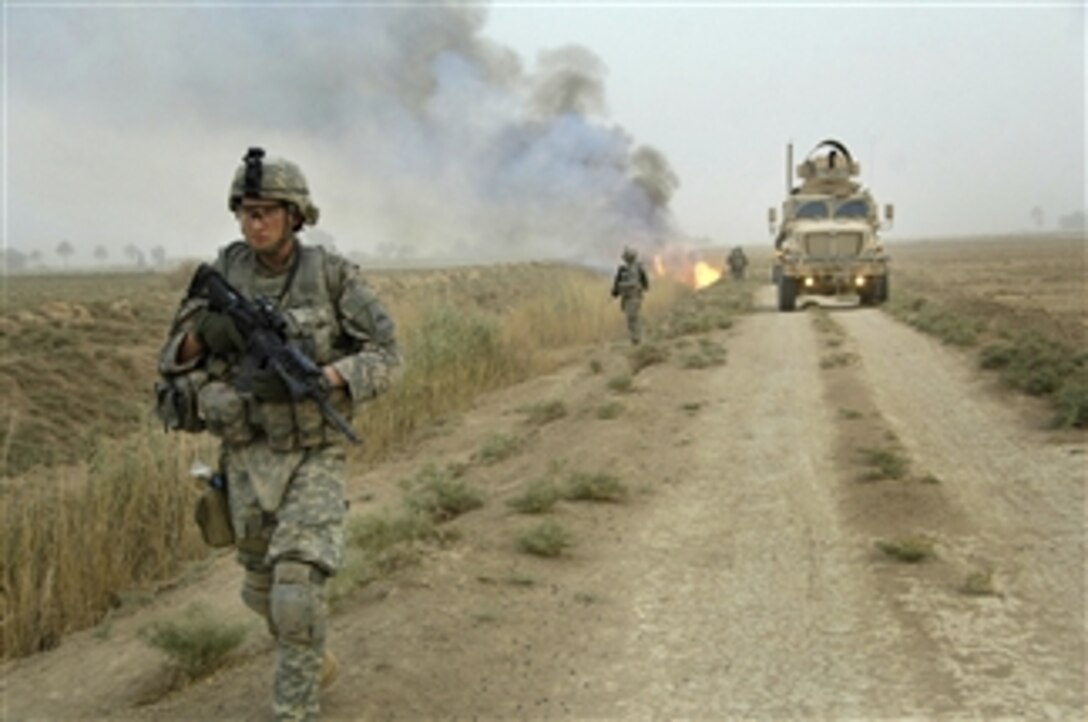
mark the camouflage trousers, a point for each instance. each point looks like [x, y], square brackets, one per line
[297, 544]
[631, 306]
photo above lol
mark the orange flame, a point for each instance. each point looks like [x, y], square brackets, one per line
[705, 274]
[679, 263]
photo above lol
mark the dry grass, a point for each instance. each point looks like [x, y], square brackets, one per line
[1020, 300]
[1014, 281]
[74, 537]
[78, 363]
[84, 519]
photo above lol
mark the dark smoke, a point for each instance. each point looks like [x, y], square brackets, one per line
[568, 80]
[420, 135]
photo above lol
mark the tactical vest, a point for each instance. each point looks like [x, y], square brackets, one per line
[630, 280]
[307, 298]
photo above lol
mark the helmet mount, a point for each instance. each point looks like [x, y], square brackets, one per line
[254, 172]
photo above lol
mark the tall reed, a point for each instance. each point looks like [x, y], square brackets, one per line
[74, 538]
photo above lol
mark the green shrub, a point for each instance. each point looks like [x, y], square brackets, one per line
[375, 533]
[610, 410]
[582, 486]
[537, 498]
[379, 544]
[838, 359]
[544, 412]
[710, 353]
[441, 496]
[197, 643]
[980, 584]
[1033, 364]
[884, 464]
[496, 448]
[949, 325]
[1071, 403]
[647, 355]
[996, 356]
[908, 549]
[547, 539]
[621, 383]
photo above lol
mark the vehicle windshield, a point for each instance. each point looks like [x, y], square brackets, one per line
[853, 209]
[811, 209]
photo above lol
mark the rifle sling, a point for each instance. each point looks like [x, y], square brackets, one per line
[295, 263]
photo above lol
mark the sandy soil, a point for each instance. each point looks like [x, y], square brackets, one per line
[740, 580]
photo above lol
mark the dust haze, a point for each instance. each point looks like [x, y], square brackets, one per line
[542, 131]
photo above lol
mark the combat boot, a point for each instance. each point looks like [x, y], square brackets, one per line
[330, 670]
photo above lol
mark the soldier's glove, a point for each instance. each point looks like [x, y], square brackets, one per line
[267, 385]
[218, 334]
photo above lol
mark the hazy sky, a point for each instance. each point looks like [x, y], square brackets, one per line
[531, 130]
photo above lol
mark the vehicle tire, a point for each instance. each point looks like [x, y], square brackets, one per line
[876, 291]
[776, 274]
[867, 293]
[870, 294]
[885, 282]
[787, 293]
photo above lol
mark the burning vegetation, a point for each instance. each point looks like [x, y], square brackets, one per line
[684, 265]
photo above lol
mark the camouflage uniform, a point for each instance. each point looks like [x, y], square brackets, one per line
[629, 286]
[737, 261]
[283, 461]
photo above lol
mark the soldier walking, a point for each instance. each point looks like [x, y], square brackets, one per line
[283, 460]
[629, 286]
[737, 262]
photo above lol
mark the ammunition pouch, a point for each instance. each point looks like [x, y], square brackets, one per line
[300, 425]
[225, 413]
[212, 515]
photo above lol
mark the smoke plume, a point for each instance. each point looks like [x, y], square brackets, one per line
[420, 136]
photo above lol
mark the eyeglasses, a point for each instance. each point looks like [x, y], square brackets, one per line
[257, 213]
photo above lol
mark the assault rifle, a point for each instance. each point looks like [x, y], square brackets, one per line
[264, 330]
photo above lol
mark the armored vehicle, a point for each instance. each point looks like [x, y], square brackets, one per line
[827, 243]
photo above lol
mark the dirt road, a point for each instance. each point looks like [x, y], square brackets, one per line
[740, 579]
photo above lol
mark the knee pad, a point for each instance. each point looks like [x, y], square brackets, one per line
[297, 602]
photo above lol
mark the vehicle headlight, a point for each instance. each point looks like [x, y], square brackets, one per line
[859, 281]
[810, 281]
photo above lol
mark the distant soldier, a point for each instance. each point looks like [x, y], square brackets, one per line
[737, 262]
[630, 284]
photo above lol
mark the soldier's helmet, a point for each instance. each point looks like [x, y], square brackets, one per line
[273, 179]
[629, 254]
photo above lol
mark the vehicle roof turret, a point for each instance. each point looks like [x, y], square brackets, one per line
[828, 170]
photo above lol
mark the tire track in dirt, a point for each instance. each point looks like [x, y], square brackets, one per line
[741, 592]
[1018, 498]
[749, 601]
